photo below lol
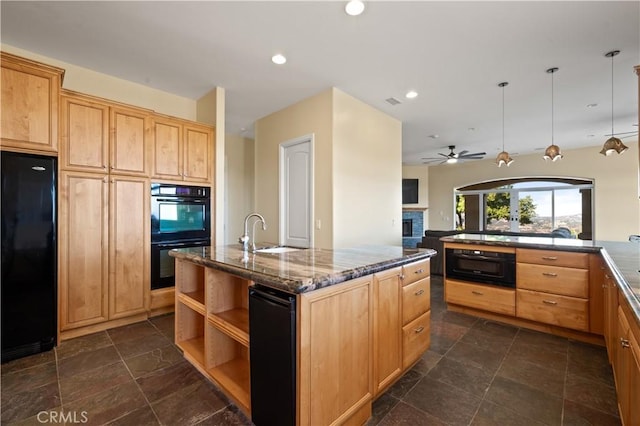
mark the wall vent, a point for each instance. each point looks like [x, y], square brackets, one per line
[392, 101]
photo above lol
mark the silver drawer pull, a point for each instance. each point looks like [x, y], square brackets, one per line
[549, 274]
[419, 271]
[549, 257]
[419, 292]
[550, 302]
[419, 329]
[479, 293]
[624, 343]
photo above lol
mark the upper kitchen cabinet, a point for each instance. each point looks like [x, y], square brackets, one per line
[30, 92]
[100, 136]
[182, 150]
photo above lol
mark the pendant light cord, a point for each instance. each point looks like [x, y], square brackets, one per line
[552, 142]
[503, 118]
[612, 95]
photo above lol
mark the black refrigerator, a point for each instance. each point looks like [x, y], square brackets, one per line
[29, 256]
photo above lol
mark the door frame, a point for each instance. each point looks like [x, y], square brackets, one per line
[309, 138]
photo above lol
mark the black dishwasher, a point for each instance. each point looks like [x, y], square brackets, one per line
[272, 331]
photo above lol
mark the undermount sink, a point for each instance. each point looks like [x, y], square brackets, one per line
[277, 249]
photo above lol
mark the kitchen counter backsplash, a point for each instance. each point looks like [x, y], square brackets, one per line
[302, 270]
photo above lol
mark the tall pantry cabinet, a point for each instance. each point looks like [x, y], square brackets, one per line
[104, 211]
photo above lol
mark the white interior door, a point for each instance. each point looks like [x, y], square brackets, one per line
[296, 192]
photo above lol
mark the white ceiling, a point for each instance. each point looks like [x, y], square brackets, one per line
[453, 54]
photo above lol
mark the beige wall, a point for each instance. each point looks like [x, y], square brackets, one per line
[105, 86]
[357, 165]
[239, 189]
[311, 116]
[617, 210]
[367, 174]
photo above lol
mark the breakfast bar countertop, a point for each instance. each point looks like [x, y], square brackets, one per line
[302, 270]
[623, 258]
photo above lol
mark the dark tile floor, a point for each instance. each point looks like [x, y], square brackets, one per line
[476, 372]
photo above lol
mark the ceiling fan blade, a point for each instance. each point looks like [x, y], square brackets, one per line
[475, 154]
[446, 156]
[462, 153]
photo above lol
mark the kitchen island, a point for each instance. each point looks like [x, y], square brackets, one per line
[361, 320]
[585, 290]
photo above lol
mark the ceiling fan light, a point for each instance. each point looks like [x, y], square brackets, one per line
[354, 7]
[504, 159]
[452, 160]
[552, 153]
[612, 145]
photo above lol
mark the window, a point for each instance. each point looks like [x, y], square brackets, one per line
[527, 205]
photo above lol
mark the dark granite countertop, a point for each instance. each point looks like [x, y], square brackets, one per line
[302, 270]
[623, 258]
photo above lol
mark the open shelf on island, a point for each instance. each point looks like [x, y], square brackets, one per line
[190, 332]
[228, 365]
[191, 300]
[234, 322]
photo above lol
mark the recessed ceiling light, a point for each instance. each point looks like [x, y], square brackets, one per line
[592, 105]
[278, 59]
[591, 136]
[434, 136]
[471, 129]
[411, 94]
[354, 7]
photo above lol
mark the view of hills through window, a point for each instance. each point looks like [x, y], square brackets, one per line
[527, 207]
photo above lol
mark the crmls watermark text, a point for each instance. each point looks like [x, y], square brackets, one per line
[63, 418]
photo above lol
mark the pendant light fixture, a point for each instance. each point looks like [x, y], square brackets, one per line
[553, 151]
[612, 144]
[503, 157]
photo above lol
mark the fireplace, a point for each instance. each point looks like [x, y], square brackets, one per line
[407, 227]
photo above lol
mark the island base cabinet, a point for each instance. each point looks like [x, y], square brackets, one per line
[416, 338]
[484, 297]
[554, 309]
[335, 366]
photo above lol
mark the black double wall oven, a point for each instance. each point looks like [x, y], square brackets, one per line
[180, 218]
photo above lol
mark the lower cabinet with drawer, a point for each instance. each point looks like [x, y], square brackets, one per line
[401, 315]
[554, 309]
[479, 296]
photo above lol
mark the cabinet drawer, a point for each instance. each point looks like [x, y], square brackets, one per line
[565, 311]
[415, 271]
[553, 279]
[555, 258]
[416, 299]
[487, 298]
[416, 337]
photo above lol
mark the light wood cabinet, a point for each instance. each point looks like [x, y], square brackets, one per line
[416, 311]
[610, 313]
[101, 136]
[104, 250]
[129, 247]
[83, 265]
[387, 328]
[484, 297]
[212, 327]
[336, 347]
[553, 288]
[181, 150]
[29, 104]
[627, 366]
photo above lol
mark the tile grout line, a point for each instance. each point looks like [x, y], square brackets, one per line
[55, 354]
[134, 381]
[484, 395]
[564, 383]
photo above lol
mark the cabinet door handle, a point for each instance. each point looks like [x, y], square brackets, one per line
[419, 271]
[549, 257]
[419, 329]
[401, 276]
[479, 293]
[624, 343]
[549, 274]
[419, 292]
[550, 302]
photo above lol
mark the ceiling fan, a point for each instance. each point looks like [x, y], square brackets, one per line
[452, 157]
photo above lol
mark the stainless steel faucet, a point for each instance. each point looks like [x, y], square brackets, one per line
[244, 239]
